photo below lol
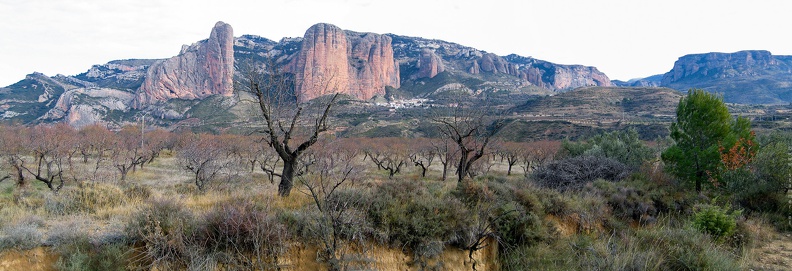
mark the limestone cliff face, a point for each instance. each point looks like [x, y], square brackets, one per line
[332, 60]
[200, 70]
[545, 74]
[85, 106]
[573, 76]
[723, 65]
[751, 77]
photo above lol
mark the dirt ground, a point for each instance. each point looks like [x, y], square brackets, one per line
[775, 254]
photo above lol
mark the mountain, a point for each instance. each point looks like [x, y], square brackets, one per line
[473, 70]
[651, 81]
[196, 86]
[356, 64]
[200, 70]
[746, 77]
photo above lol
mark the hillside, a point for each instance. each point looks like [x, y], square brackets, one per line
[365, 66]
[746, 77]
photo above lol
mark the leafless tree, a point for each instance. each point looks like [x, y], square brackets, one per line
[446, 153]
[471, 130]
[510, 152]
[95, 141]
[14, 141]
[388, 154]
[285, 117]
[128, 152]
[157, 141]
[205, 156]
[333, 171]
[422, 154]
[536, 154]
[51, 147]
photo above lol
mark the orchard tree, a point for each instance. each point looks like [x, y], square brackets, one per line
[333, 172]
[446, 153]
[97, 141]
[704, 128]
[51, 147]
[286, 117]
[14, 141]
[422, 153]
[389, 154]
[471, 131]
[128, 151]
[205, 156]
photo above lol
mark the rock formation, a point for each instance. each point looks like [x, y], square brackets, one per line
[200, 70]
[753, 77]
[333, 60]
[429, 64]
[564, 77]
[723, 65]
[85, 106]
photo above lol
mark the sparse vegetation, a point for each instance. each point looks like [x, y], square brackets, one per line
[606, 202]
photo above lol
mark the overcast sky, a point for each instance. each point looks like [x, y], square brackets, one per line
[623, 38]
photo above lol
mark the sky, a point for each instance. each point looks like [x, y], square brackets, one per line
[625, 39]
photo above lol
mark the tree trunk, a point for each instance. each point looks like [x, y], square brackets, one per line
[287, 176]
[445, 171]
[20, 177]
[464, 165]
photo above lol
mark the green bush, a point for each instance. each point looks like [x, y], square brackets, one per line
[622, 146]
[112, 257]
[628, 202]
[411, 218]
[515, 226]
[716, 221]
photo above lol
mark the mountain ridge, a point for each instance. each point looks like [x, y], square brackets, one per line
[375, 65]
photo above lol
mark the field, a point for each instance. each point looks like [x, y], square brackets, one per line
[348, 212]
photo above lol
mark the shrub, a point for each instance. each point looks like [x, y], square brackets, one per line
[407, 216]
[683, 249]
[163, 228]
[246, 236]
[23, 235]
[715, 221]
[85, 198]
[515, 226]
[137, 192]
[627, 202]
[622, 146]
[574, 173]
[81, 251]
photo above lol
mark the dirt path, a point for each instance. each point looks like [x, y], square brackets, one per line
[776, 254]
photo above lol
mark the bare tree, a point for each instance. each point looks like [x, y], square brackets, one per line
[51, 147]
[388, 154]
[536, 154]
[205, 156]
[333, 171]
[128, 152]
[286, 117]
[14, 141]
[422, 154]
[446, 153]
[471, 130]
[95, 141]
[157, 141]
[510, 152]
